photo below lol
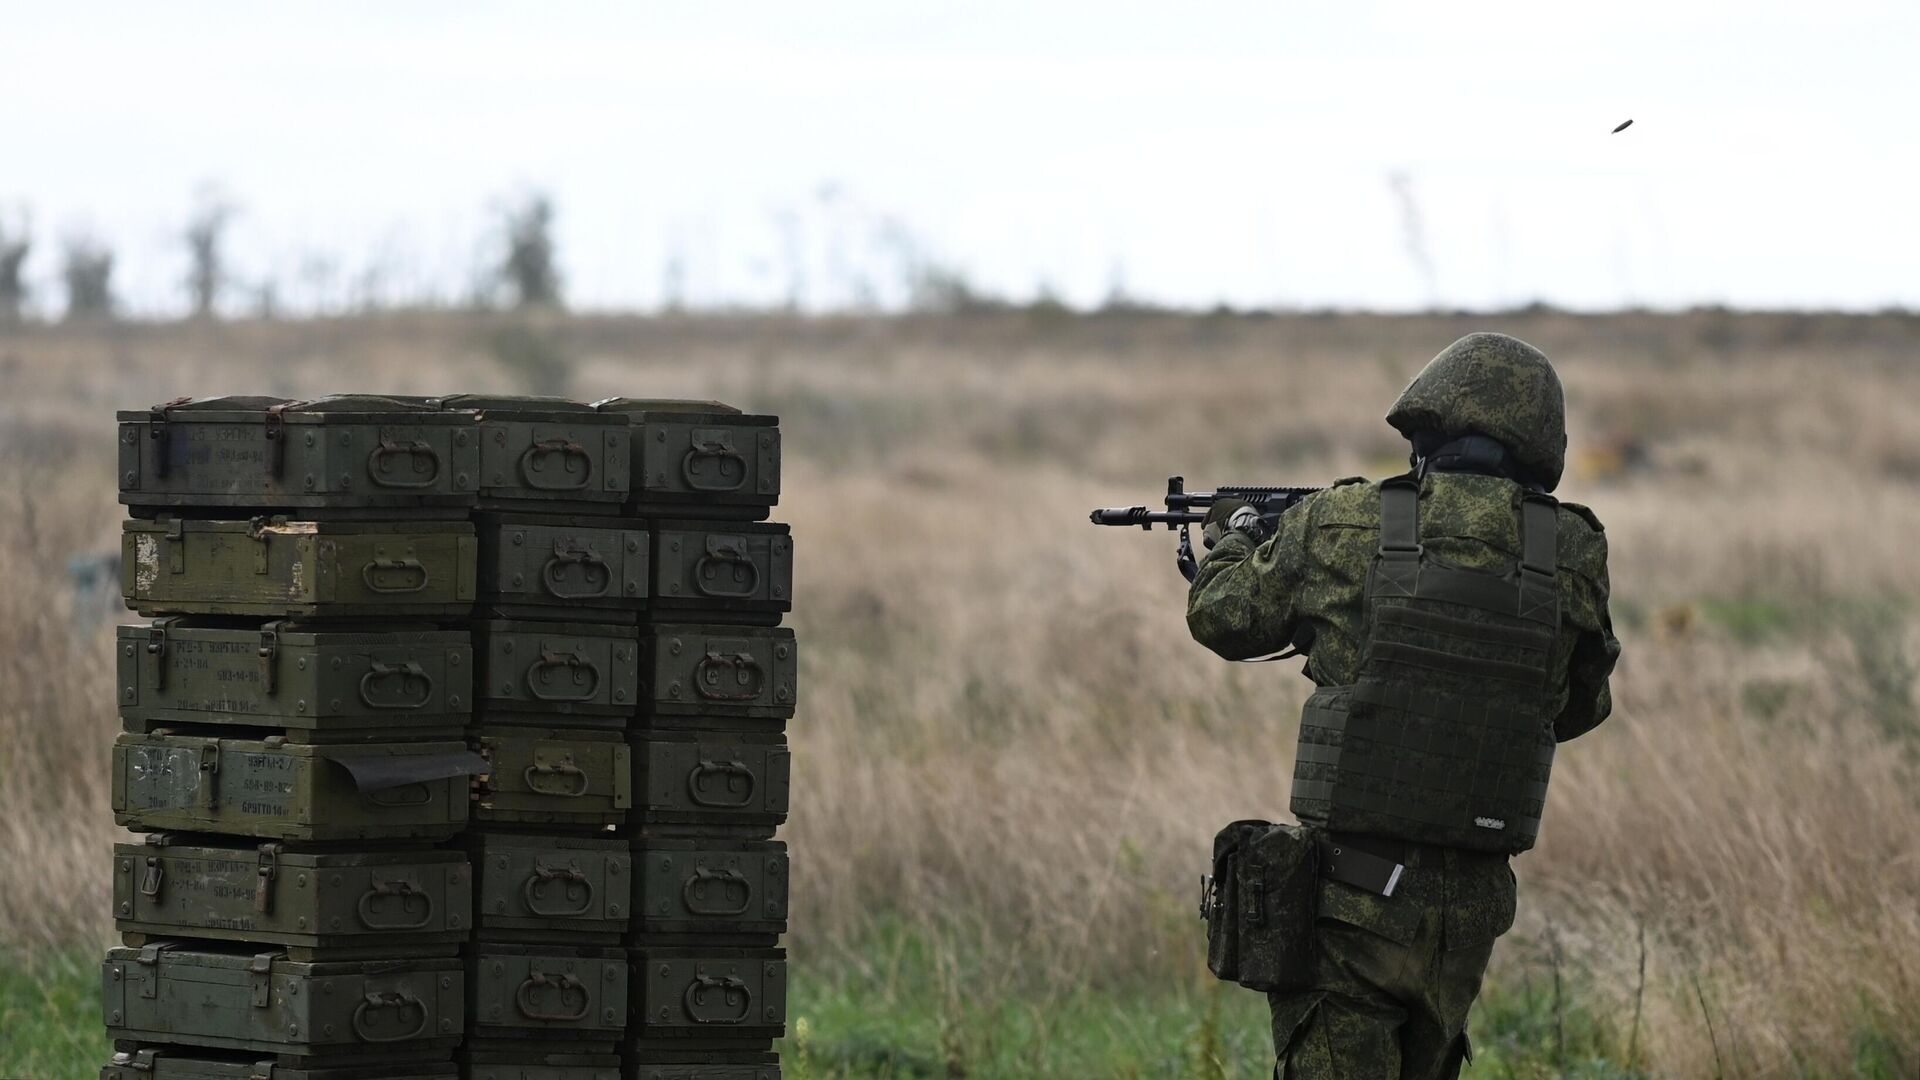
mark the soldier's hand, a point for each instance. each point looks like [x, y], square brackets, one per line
[1229, 515]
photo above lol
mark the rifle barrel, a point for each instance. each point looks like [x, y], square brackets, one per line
[1143, 517]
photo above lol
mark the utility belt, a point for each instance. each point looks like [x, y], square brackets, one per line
[1259, 903]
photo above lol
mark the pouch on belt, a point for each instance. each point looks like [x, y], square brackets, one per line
[1259, 905]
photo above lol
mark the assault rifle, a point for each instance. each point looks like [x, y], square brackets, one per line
[1188, 508]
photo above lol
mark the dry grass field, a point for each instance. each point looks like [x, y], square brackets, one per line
[1009, 746]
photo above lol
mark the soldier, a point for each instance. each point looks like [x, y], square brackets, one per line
[1455, 623]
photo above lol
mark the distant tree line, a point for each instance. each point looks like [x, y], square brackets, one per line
[523, 272]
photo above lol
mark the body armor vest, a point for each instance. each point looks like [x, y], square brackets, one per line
[1446, 737]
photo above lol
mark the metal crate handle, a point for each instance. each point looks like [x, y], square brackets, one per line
[407, 670]
[388, 1000]
[572, 790]
[553, 575]
[726, 769]
[726, 552]
[717, 446]
[405, 891]
[696, 887]
[414, 449]
[747, 673]
[542, 875]
[416, 573]
[573, 662]
[531, 467]
[696, 996]
[539, 980]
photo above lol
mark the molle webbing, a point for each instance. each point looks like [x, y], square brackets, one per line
[1401, 567]
[1444, 738]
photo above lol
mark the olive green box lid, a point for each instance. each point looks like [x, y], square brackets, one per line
[345, 455]
[680, 407]
[523, 407]
[241, 407]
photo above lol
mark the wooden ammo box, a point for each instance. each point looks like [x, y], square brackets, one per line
[649, 1064]
[701, 454]
[538, 886]
[547, 453]
[348, 455]
[587, 669]
[722, 572]
[278, 567]
[707, 997]
[318, 678]
[529, 994]
[558, 567]
[178, 1063]
[348, 904]
[479, 1062]
[724, 891]
[719, 783]
[365, 1010]
[278, 790]
[717, 676]
[554, 776]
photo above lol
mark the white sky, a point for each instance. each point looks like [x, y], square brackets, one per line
[1209, 151]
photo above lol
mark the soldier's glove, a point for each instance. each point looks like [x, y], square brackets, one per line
[1229, 515]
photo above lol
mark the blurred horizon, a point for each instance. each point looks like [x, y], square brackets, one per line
[1384, 157]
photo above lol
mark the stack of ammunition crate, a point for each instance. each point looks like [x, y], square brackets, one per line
[294, 744]
[718, 678]
[338, 587]
[561, 580]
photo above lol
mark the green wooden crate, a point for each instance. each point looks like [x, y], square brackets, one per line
[392, 1010]
[273, 567]
[346, 455]
[346, 905]
[278, 790]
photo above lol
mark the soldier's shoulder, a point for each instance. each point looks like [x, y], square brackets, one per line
[1585, 514]
[1348, 500]
[1583, 540]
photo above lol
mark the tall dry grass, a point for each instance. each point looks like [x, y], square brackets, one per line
[1008, 741]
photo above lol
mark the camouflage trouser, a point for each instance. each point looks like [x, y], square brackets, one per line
[1393, 977]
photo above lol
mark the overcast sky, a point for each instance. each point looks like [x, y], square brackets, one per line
[1379, 155]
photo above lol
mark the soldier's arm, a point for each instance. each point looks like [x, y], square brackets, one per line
[1595, 650]
[1242, 602]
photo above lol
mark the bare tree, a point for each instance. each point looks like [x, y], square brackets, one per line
[530, 271]
[205, 231]
[13, 284]
[87, 270]
[1413, 232]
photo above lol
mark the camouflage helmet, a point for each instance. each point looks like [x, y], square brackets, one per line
[1497, 386]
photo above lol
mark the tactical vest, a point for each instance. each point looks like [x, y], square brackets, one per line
[1446, 737]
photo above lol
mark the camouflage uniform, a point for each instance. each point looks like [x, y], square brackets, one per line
[1394, 976]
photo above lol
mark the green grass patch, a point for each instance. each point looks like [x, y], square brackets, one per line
[906, 1010]
[1751, 620]
[856, 1029]
[50, 1026]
